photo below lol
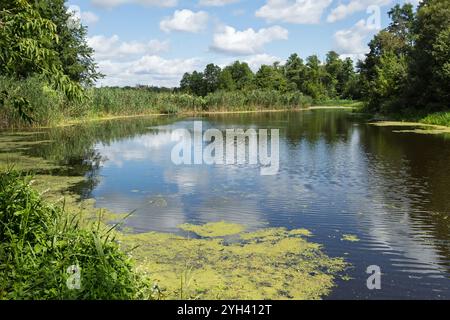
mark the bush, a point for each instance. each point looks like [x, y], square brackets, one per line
[39, 242]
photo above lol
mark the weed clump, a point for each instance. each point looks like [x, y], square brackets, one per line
[40, 243]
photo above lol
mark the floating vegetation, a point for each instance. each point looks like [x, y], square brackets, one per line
[212, 230]
[350, 237]
[416, 127]
[266, 264]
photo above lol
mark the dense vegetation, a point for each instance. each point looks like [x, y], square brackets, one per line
[334, 79]
[39, 242]
[407, 70]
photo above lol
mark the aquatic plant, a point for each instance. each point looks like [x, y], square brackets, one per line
[227, 262]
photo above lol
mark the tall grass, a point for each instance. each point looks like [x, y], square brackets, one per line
[39, 242]
[439, 118]
[49, 107]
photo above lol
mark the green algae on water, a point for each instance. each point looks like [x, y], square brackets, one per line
[267, 264]
[350, 238]
[211, 230]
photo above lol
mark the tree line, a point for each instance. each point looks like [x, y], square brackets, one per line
[407, 69]
[336, 78]
[408, 66]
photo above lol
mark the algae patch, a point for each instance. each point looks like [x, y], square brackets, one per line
[350, 238]
[415, 127]
[212, 230]
[266, 264]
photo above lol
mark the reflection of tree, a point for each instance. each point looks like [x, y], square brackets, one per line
[72, 148]
[330, 125]
[413, 169]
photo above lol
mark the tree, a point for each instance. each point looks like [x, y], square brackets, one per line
[295, 72]
[315, 76]
[334, 69]
[242, 75]
[429, 65]
[194, 83]
[74, 53]
[402, 23]
[69, 48]
[211, 76]
[271, 77]
[386, 63]
[226, 81]
[27, 48]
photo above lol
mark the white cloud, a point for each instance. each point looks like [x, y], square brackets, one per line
[115, 3]
[135, 62]
[86, 17]
[216, 3]
[353, 42]
[344, 10]
[148, 70]
[185, 21]
[253, 61]
[246, 42]
[293, 11]
[256, 61]
[113, 48]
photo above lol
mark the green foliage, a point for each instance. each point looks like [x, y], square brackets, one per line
[73, 52]
[271, 78]
[439, 118]
[26, 41]
[39, 242]
[43, 103]
[40, 39]
[430, 58]
[408, 66]
[335, 79]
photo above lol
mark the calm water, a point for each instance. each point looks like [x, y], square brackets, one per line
[337, 176]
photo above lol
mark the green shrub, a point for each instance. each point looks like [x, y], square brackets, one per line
[439, 118]
[39, 242]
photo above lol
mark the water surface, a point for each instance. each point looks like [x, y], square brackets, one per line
[338, 175]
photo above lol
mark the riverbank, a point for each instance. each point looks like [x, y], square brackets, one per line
[433, 123]
[109, 117]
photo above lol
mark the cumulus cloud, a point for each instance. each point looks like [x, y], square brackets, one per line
[293, 11]
[115, 3]
[113, 48]
[353, 6]
[137, 62]
[353, 42]
[247, 42]
[185, 21]
[148, 70]
[86, 17]
[216, 3]
[256, 61]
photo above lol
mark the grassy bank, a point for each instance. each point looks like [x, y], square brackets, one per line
[49, 107]
[40, 243]
[436, 119]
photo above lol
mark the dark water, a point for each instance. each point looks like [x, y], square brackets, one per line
[337, 176]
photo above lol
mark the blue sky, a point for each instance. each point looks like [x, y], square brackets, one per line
[154, 42]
